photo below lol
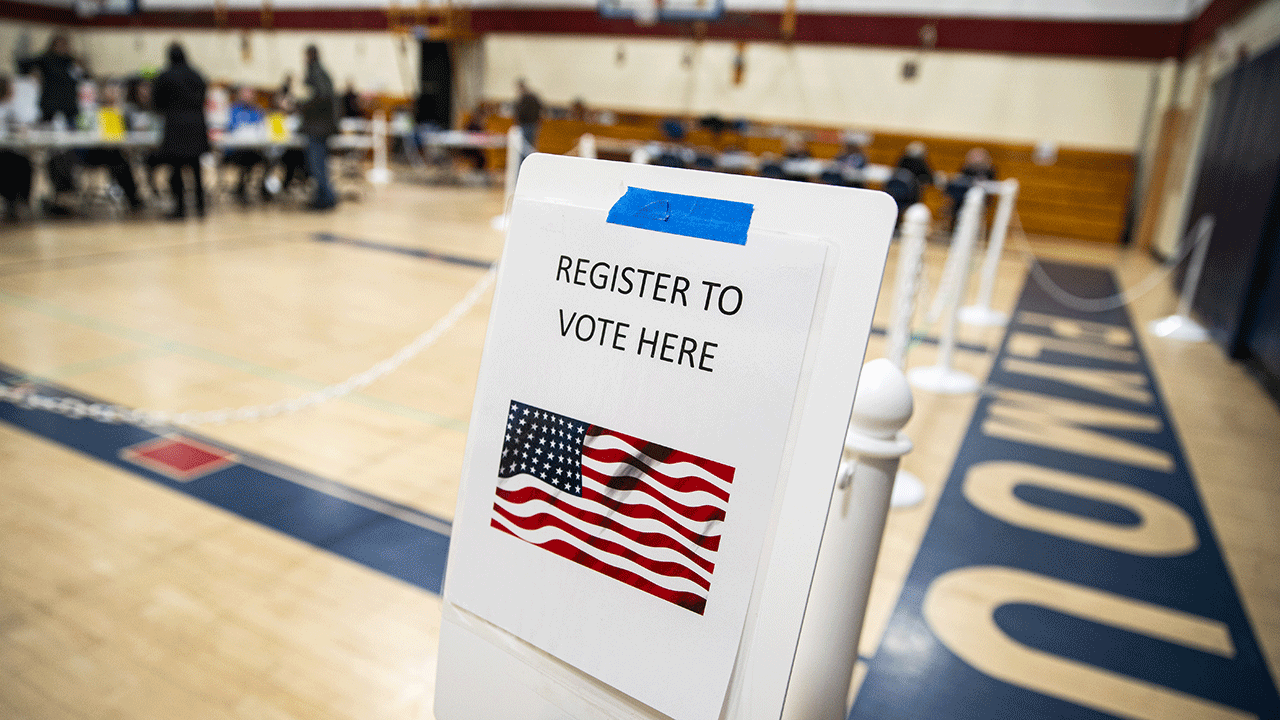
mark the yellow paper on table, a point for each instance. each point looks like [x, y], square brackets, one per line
[110, 124]
[276, 128]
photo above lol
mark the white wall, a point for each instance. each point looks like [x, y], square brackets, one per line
[1012, 98]
[377, 61]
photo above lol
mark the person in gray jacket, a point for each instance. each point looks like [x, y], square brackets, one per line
[319, 123]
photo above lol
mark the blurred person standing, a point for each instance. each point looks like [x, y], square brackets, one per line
[319, 123]
[178, 95]
[529, 117]
[60, 74]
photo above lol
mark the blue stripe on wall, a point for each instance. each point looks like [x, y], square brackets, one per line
[394, 539]
[916, 675]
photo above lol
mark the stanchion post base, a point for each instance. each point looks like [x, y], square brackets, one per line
[1178, 327]
[942, 380]
[908, 491]
[983, 316]
[499, 222]
[379, 176]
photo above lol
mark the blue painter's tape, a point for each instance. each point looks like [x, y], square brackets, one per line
[707, 218]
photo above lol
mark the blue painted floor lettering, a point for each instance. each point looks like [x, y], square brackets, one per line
[1070, 570]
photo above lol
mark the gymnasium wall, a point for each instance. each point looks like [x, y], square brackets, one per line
[1084, 103]
[376, 61]
[1252, 33]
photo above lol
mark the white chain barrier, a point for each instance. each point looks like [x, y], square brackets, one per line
[1197, 236]
[108, 413]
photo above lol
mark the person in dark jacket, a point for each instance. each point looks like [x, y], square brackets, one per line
[178, 95]
[59, 76]
[319, 123]
[916, 159]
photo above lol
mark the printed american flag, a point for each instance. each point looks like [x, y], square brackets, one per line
[636, 511]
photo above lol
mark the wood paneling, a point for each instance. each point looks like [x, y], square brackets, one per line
[1084, 195]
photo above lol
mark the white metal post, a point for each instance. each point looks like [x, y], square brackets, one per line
[587, 146]
[1180, 326]
[907, 488]
[828, 647]
[379, 174]
[515, 151]
[915, 226]
[981, 312]
[943, 378]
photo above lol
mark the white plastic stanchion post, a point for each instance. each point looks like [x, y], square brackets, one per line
[907, 488]
[587, 146]
[828, 646]
[915, 226]
[943, 378]
[515, 151]
[981, 313]
[1180, 326]
[379, 174]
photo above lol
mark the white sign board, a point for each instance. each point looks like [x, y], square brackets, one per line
[654, 346]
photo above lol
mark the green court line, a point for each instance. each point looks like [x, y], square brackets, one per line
[64, 372]
[160, 343]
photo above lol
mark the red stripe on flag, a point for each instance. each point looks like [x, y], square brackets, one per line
[665, 454]
[648, 539]
[710, 542]
[700, 513]
[687, 600]
[688, 483]
[659, 567]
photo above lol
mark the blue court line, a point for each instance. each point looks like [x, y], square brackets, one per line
[402, 250]
[934, 341]
[915, 674]
[385, 536]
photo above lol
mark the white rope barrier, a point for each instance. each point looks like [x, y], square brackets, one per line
[1180, 326]
[108, 413]
[1201, 232]
[942, 377]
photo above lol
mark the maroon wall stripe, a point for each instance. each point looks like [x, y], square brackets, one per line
[1007, 35]
[34, 12]
[1215, 15]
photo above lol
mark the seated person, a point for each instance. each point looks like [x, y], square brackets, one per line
[140, 116]
[15, 169]
[916, 159]
[850, 160]
[110, 120]
[352, 107]
[852, 154]
[977, 166]
[293, 160]
[794, 147]
[246, 117]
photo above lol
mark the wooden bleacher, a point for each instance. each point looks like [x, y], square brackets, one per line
[1083, 195]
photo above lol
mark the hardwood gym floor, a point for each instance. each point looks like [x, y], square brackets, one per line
[140, 584]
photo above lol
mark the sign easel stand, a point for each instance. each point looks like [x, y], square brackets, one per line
[764, 292]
